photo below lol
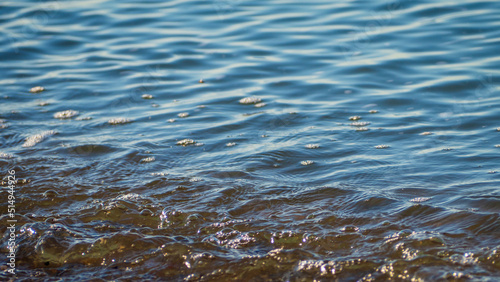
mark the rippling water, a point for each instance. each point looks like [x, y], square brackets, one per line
[251, 140]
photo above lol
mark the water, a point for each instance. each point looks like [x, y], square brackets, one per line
[251, 140]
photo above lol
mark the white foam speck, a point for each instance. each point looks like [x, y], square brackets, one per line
[420, 199]
[37, 89]
[66, 114]
[230, 144]
[119, 121]
[84, 118]
[5, 156]
[312, 146]
[159, 173]
[360, 123]
[361, 128]
[383, 146]
[308, 162]
[186, 142]
[35, 139]
[250, 100]
[148, 160]
[183, 115]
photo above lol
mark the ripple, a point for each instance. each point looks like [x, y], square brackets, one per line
[103, 200]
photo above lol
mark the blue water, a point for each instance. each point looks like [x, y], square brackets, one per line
[368, 147]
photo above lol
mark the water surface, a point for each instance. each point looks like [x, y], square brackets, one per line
[252, 140]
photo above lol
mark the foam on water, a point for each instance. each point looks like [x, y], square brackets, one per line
[251, 100]
[120, 120]
[37, 138]
[66, 114]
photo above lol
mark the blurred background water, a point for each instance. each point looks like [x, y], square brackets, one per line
[252, 140]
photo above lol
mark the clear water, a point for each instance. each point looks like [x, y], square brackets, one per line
[369, 151]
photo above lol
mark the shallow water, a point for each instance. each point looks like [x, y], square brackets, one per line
[252, 140]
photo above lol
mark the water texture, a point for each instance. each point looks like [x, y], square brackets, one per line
[251, 140]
